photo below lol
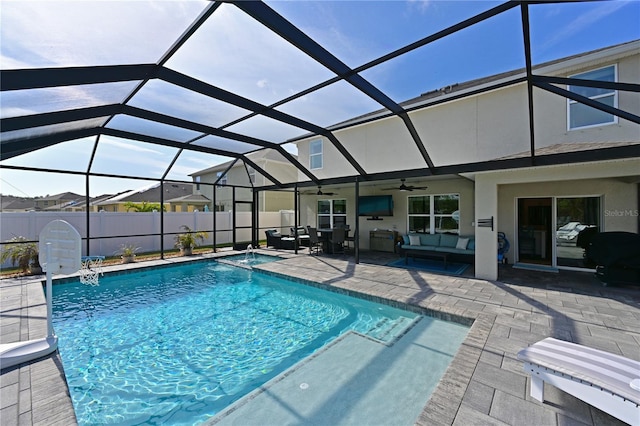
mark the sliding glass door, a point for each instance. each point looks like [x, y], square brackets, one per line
[535, 238]
[560, 239]
[577, 218]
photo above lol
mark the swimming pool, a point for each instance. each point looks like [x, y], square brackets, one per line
[176, 345]
[250, 259]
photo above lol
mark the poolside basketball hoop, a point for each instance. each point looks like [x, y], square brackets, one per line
[59, 253]
[91, 269]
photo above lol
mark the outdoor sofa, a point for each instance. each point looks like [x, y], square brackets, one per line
[277, 241]
[422, 245]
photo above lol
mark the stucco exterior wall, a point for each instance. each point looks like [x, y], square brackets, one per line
[616, 181]
[397, 222]
[478, 128]
[550, 110]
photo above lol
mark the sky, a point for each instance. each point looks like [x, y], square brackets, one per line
[237, 54]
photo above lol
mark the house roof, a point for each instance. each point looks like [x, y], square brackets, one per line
[172, 99]
[192, 198]
[564, 148]
[151, 193]
[61, 196]
[257, 157]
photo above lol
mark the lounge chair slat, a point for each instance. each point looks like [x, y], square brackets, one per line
[600, 378]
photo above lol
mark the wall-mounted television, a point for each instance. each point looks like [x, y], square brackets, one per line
[375, 205]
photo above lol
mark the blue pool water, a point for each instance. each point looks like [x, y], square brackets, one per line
[177, 345]
[251, 259]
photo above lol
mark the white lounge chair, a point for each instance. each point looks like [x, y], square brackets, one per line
[606, 381]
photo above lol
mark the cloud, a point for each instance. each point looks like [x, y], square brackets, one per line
[419, 5]
[581, 22]
[74, 33]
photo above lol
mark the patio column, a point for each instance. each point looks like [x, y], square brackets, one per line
[486, 198]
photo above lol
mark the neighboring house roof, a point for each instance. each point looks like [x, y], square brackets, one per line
[192, 198]
[18, 204]
[61, 196]
[270, 155]
[151, 193]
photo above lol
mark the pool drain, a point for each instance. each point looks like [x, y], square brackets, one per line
[304, 386]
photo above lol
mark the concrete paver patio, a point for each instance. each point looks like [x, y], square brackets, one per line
[485, 384]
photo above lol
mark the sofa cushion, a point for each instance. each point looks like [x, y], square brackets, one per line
[447, 240]
[405, 239]
[414, 240]
[471, 245]
[430, 239]
[462, 243]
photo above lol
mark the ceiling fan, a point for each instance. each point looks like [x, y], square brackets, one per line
[319, 192]
[324, 193]
[405, 187]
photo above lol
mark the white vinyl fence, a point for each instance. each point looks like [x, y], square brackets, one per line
[109, 230]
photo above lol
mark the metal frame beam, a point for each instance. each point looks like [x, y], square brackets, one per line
[73, 76]
[276, 23]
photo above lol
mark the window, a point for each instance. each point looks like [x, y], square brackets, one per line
[315, 154]
[222, 178]
[252, 174]
[434, 213]
[197, 178]
[331, 213]
[580, 115]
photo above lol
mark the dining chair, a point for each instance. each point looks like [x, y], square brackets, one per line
[337, 240]
[314, 241]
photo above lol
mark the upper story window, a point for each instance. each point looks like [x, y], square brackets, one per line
[580, 115]
[315, 154]
[222, 178]
[252, 174]
[197, 183]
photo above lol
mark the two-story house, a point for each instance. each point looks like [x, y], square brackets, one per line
[540, 208]
[231, 173]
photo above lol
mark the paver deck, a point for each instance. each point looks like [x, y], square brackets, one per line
[485, 384]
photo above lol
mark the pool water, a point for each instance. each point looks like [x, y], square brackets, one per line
[177, 345]
[250, 259]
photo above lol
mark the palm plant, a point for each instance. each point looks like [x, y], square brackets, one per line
[128, 252]
[22, 253]
[188, 240]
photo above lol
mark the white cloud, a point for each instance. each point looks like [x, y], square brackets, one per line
[421, 6]
[73, 33]
[582, 22]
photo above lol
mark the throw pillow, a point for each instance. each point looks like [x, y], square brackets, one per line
[405, 239]
[414, 240]
[462, 243]
[472, 244]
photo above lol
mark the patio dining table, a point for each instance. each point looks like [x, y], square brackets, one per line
[325, 235]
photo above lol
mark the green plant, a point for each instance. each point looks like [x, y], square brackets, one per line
[21, 252]
[143, 207]
[128, 250]
[190, 238]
